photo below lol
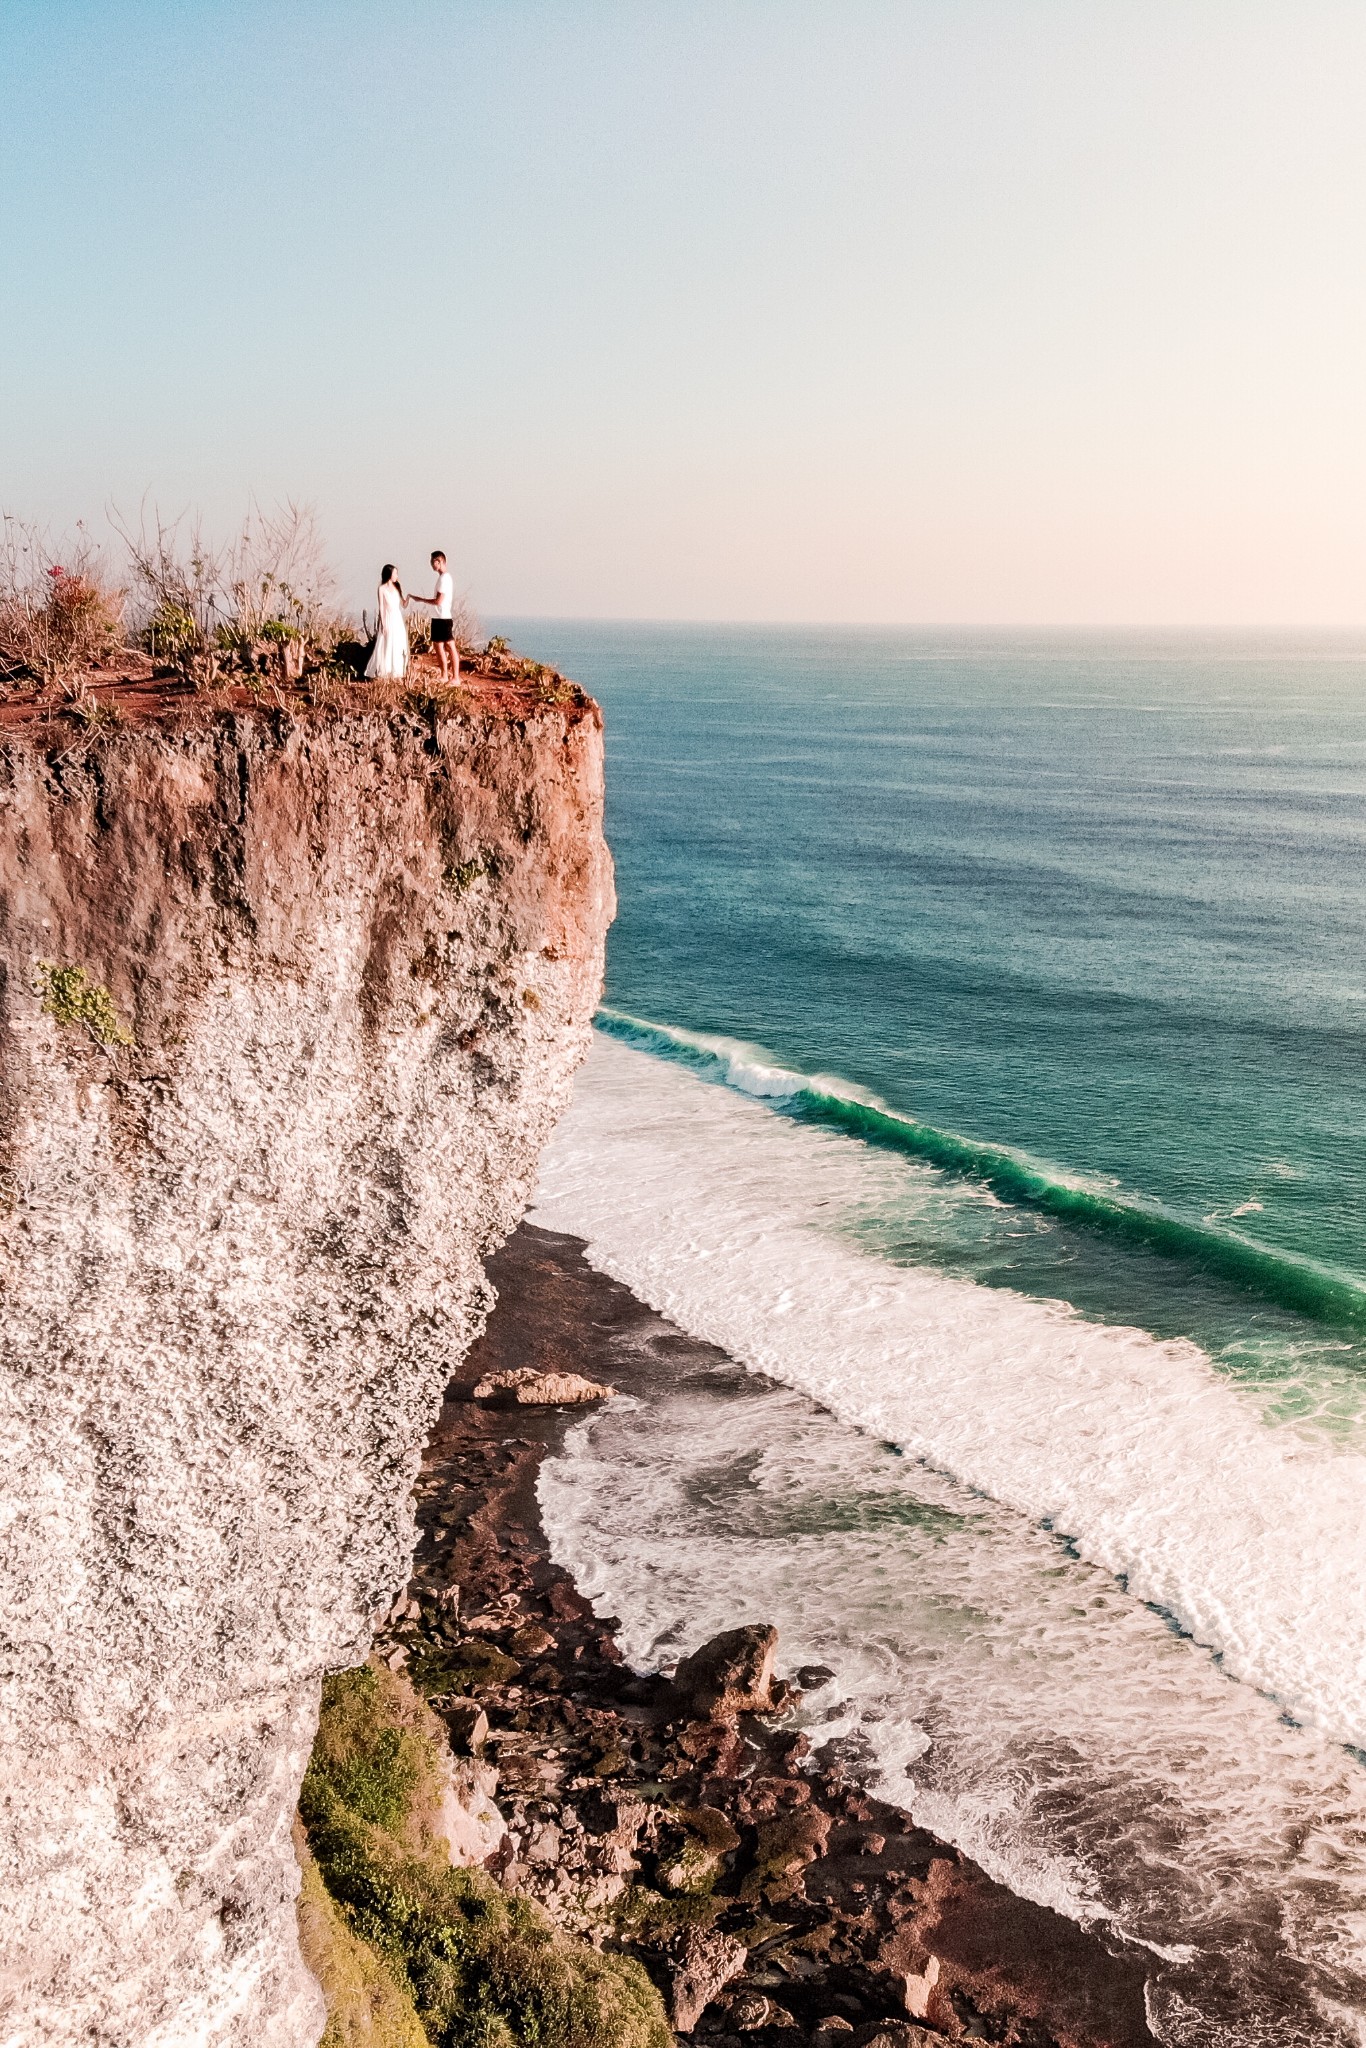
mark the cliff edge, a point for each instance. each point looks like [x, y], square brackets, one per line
[288, 1004]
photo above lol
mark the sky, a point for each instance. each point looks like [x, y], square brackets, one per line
[976, 311]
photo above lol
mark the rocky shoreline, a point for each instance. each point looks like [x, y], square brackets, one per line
[683, 1821]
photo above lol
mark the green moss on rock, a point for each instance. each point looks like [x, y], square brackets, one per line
[474, 1667]
[479, 1968]
[69, 995]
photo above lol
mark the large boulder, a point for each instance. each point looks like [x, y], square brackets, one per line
[730, 1675]
[705, 1962]
[524, 1387]
[467, 1819]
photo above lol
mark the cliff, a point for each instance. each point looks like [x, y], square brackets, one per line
[356, 951]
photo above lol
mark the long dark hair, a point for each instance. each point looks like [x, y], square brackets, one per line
[386, 575]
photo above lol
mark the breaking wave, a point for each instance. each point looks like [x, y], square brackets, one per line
[1285, 1278]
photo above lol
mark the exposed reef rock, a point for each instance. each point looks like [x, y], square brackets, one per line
[288, 1005]
[523, 1387]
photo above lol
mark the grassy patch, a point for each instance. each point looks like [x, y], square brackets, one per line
[460, 875]
[481, 1969]
[365, 2007]
[71, 997]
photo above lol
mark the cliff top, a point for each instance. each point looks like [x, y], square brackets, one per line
[130, 689]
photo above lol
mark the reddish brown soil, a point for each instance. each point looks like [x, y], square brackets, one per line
[134, 691]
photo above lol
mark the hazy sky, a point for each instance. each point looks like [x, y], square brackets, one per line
[973, 310]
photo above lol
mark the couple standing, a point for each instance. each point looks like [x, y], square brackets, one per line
[389, 656]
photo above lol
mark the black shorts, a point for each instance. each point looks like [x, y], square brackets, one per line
[443, 629]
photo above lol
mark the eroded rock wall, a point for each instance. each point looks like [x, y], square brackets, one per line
[359, 955]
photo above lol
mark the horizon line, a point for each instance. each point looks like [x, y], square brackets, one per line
[928, 625]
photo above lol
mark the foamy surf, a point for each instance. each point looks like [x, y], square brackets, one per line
[1156, 1468]
[1046, 1718]
[1020, 1705]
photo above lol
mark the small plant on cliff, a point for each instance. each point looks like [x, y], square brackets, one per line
[480, 1968]
[261, 602]
[171, 634]
[69, 995]
[96, 714]
[460, 875]
[60, 615]
[178, 581]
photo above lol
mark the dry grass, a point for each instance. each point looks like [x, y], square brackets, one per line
[258, 611]
[61, 614]
[262, 604]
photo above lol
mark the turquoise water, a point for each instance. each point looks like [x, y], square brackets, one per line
[1086, 915]
[982, 1070]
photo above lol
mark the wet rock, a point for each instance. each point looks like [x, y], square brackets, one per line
[521, 1386]
[713, 1744]
[812, 1675]
[784, 1846]
[753, 2010]
[704, 1963]
[531, 1640]
[711, 1828]
[730, 1675]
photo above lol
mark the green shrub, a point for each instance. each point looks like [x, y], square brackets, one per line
[172, 633]
[481, 1969]
[470, 1668]
[72, 997]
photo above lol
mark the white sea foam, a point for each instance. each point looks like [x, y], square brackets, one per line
[1020, 1704]
[724, 1216]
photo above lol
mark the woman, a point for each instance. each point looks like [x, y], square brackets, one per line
[389, 660]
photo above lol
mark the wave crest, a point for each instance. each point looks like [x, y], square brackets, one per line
[1287, 1279]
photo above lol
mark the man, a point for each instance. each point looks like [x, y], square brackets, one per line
[442, 602]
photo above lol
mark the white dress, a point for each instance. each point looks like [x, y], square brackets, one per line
[390, 658]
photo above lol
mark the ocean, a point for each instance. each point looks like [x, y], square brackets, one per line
[983, 1064]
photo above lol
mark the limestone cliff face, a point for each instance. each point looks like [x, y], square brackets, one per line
[358, 953]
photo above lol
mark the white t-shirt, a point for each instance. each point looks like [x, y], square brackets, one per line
[445, 594]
